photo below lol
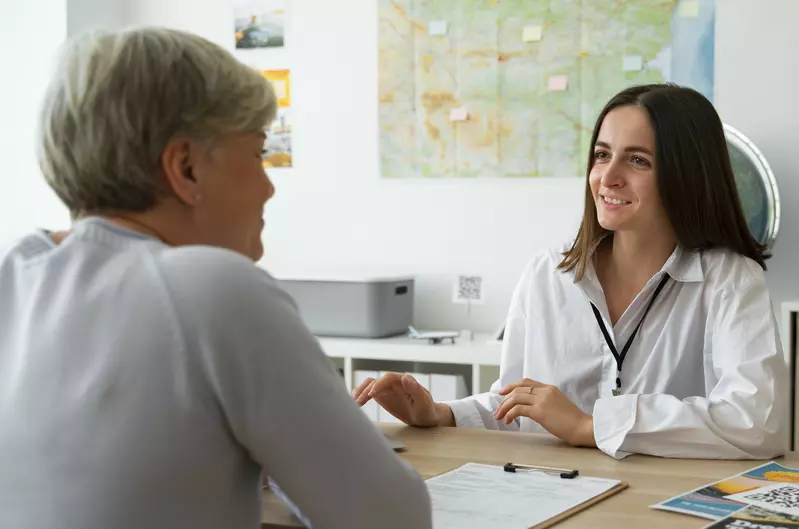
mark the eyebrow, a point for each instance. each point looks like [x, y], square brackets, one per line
[632, 148]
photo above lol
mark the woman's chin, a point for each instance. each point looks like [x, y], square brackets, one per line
[608, 225]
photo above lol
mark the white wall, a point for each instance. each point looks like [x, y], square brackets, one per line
[30, 33]
[333, 213]
[83, 15]
[756, 92]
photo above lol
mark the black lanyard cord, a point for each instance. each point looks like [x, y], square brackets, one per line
[620, 357]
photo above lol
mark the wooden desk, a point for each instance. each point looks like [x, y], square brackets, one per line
[652, 480]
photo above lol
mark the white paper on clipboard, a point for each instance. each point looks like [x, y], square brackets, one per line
[476, 496]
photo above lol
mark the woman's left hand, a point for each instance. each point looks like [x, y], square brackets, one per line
[547, 406]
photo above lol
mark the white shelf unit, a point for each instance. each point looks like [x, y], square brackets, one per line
[481, 351]
[790, 346]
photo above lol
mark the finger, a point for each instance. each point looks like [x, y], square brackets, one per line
[512, 400]
[522, 390]
[410, 385]
[510, 387]
[528, 390]
[361, 387]
[525, 382]
[385, 382]
[520, 410]
[504, 406]
[366, 394]
[415, 391]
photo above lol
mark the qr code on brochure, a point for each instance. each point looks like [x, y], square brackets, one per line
[782, 497]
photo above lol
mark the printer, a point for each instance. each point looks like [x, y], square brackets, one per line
[357, 307]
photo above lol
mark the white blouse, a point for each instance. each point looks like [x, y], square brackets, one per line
[704, 377]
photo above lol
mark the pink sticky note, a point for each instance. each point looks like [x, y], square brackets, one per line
[557, 83]
[459, 114]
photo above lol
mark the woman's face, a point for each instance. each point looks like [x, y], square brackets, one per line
[234, 190]
[623, 179]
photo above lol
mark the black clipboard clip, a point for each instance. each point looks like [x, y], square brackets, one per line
[562, 472]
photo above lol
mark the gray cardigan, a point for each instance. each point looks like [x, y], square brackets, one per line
[148, 386]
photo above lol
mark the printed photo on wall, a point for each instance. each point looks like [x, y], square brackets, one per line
[278, 141]
[278, 137]
[280, 80]
[259, 23]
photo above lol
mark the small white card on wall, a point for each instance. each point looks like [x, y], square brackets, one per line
[437, 28]
[632, 63]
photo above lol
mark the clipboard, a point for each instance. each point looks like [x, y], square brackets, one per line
[580, 508]
[475, 496]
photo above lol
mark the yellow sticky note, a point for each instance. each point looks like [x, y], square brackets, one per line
[688, 9]
[459, 114]
[437, 28]
[531, 34]
[557, 83]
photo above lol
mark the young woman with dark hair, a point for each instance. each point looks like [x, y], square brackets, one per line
[653, 332]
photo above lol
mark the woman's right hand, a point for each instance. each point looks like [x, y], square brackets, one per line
[404, 398]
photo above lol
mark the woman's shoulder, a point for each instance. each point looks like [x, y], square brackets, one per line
[203, 260]
[726, 267]
[542, 266]
[548, 258]
[214, 275]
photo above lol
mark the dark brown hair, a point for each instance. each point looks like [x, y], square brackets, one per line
[694, 174]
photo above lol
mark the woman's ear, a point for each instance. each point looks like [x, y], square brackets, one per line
[176, 163]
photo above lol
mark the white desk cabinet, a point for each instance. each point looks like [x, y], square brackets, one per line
[443, 358]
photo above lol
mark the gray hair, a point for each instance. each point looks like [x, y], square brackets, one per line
[117, 99]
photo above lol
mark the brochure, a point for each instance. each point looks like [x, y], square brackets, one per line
[714, 502]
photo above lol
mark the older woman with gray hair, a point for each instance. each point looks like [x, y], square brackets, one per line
[150, 372]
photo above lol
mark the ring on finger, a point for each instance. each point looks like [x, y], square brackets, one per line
[531, 390]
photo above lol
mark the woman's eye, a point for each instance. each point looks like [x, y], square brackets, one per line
[637, 160]
[601, 155]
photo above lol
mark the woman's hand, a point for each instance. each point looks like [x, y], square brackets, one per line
[404, 398]
[547, 406]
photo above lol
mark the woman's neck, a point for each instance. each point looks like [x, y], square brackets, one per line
[636, 257]
[133, 222]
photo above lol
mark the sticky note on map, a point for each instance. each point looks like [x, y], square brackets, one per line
[557, 83]
[437, 28]
[459, 114]
[688, 9]
[531, 34]
[632, 63]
